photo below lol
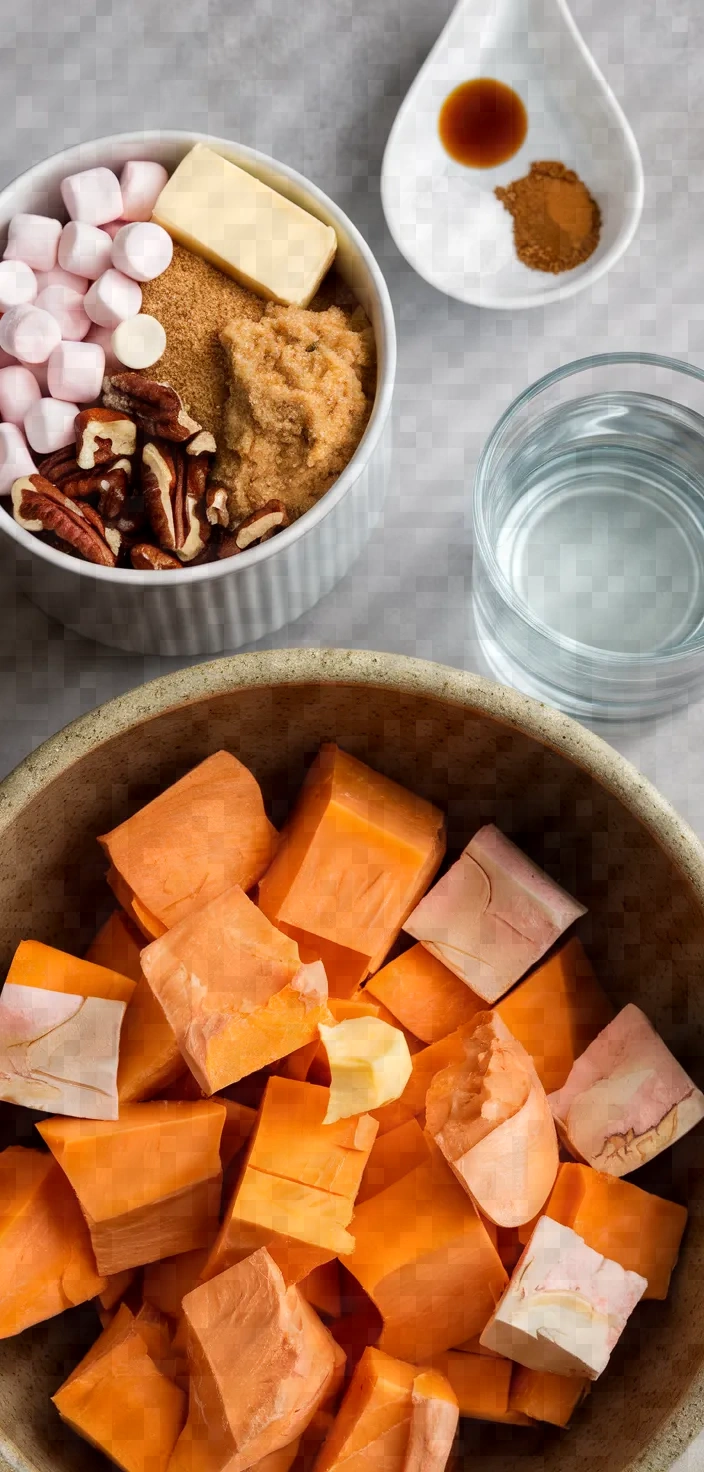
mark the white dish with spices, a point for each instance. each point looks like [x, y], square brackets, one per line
[290, 538]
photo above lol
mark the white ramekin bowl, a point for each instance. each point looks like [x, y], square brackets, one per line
[220, 605]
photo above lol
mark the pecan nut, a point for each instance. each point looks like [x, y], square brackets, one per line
[101, 435]
[146, 558]
[216, 506]
[109, 482]
[174, 497]
[261, 525]
[38, 506]
[156, 407]
[202, 444]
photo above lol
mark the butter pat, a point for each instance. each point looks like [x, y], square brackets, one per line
[369, 1065]
[241, 225]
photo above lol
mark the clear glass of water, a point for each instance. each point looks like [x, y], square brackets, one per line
[588, 583]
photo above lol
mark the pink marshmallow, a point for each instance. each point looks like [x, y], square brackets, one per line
[33, 239]
[141, 184]
[50, 425]
[93, 195]
[84, 250]
[18, 284]
[67, 307]
[75, 371]
[18, 391]
[142, 251]
[15, 459]
[113, 228]
[29, 333]
[103, 337]
[113, 298]
[58, 277]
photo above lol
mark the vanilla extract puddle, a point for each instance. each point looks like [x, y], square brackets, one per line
[482, 123]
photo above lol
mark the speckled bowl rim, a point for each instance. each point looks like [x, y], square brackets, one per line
[400, 673]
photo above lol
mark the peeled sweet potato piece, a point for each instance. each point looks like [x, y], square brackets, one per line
[372, 1426]
[425, 996]
[148, 1183]
[391, 1157]
[545, 1397]
[426, 1261]
[557, 1011]
[121, 1402]
[481, 1383]
[46, 1259]
[234, 990]
[261, 1364]
[292, 1139]
[354, 858]
[425, 1065]
[117, 946]
[302, 1226]
[150, 1059]
[434, 1417]
[492, 915]
[490, 1117]
[626, 1098]
[205, 833]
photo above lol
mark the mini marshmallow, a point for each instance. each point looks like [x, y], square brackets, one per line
[113, 227]
[84, 249]
[139, 342]
[93, 195]
[15, 459]
[67, 307]
[18, 284]
[141, 184]
[33, 239]
[50, 425]
[29, 333]
[75, 371]
[18, 391]
[103, 337]
[58, 277]
[142, 251]
[112, 299]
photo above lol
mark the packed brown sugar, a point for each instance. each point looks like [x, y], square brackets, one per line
[556, 222]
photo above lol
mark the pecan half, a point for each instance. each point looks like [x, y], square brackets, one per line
[145, 558]
[156, 407]
[38, 506]
[216, 507]
[101, 434]
[202, 444]
[261, 525]
[109, 482]
[174, 496]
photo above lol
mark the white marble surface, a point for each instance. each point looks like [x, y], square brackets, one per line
[321, 94]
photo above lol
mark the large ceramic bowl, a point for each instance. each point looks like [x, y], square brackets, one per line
[482, 752]
[221, 605]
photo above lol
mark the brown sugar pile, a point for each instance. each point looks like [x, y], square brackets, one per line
[299, 402]
[556, 223]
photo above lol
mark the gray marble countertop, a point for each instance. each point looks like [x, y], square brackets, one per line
[320, 91]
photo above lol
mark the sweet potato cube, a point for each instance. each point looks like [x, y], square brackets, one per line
[372, 1426]
[434, 1418]
[240, 1121]
[627, 1098]
[121, 1402]
[640, 1231]
[557, 1011]
[425, 1065]
[426, 1261]
[261, 1364]
[490, 1117]
[545, 1397]
[150, 1059]
[46, 1259]
[565, 1306]
[37, 965]
[425, 996]
[233, 989]
[354, 858]
[302, 1226]
[292, 1140]
[391, 1157]
[166, 1283]
[203, 834]
[321, 1289]
[492, 915]
[480, 1382]
[148, 1183]
[117, 946]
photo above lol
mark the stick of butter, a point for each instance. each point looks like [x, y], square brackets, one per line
[241, 225]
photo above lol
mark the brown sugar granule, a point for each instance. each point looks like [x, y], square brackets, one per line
[298, 404]
[556, 223]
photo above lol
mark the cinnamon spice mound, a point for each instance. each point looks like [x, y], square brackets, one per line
[298, 404]
[556, 223]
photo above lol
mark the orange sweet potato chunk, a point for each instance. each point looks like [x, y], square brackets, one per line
[424, 995]
[234, 990]
[240, 1121]
[354, 858]
[291, 1139]
[425, 1259]
[426, 1064]
[150, 1059]
[46, 1259]
[546, 1397]
[434, 1418]
[121, 1402]
[37, 965]
[372, 1426]
[117, 946]
[302, 1226]
[391, 1157]
[203, 834]
[630, 1226]
[556, 1012]
[148, 1183]
[481, 1383]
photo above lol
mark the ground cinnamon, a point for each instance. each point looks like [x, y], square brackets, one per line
[556, 223]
